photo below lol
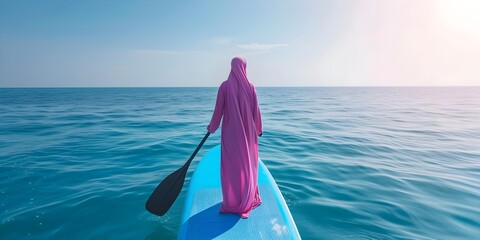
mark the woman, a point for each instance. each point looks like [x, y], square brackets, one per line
[242, 124]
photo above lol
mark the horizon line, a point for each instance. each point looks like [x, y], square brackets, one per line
[353, 86]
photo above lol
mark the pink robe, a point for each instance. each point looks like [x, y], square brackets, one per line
[242, 124]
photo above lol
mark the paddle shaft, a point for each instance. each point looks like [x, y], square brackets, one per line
[198, 148]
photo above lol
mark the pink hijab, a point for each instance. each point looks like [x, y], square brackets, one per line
[238, 74]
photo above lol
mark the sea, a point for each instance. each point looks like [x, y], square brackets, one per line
[351, 162]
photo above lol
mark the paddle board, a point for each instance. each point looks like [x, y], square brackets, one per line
[201, 218]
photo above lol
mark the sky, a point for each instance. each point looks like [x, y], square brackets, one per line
[89, 43]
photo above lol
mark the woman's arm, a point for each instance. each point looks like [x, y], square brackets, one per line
[257, 116]
[218, 112]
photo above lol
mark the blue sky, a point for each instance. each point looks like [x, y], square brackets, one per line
[286, 43]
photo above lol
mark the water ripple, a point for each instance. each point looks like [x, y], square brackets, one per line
[352, 163]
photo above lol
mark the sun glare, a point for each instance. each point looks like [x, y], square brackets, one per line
[461, 15]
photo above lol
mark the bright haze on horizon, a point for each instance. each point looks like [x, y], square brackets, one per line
[286, 43]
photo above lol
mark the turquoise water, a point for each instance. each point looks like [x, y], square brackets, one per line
[352, 163]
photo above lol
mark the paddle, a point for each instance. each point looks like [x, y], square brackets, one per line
[167, 191]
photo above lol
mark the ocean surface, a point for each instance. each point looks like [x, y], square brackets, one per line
[352, 163]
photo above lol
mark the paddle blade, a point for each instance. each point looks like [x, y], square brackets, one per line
[166, 192]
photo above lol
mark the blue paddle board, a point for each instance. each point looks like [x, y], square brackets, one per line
[201, 218]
